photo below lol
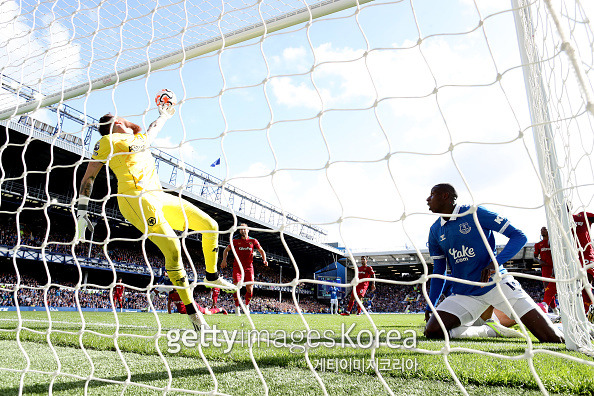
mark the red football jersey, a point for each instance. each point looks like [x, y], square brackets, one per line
[245, 251]
[118, 290]
[543, 251]
[174, 298]
[366, 272]
[583, 235]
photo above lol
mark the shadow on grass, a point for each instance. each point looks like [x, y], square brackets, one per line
[70, 386]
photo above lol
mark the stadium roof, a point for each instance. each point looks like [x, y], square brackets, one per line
[393, 264]
[399, 263]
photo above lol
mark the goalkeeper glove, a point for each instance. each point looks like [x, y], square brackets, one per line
[166, 110]
[82, 219]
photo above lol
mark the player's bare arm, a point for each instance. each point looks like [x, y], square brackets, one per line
[165, 113]
[86, 188]
[538, 260]
[225, 253]
[86, 184]
[541, 262]
[487, 272]
[427, 316]
[263, 254]
[169, 302]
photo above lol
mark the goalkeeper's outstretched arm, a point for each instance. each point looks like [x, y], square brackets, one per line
[155, 127]
[86, 188]
[86, 184]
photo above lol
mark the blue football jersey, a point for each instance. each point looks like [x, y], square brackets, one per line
[333, 294]
[458, 242]
[163, 280]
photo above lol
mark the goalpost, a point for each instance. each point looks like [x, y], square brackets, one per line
[418, 87]
[552, 126]
[163, 35]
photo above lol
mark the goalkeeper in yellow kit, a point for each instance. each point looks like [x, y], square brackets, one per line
[143, 202]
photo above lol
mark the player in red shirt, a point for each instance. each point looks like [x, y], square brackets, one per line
[118, 294]
[542, 254]
[174, 298]
[244, 250]
[215, 296]
[583, 221]
[365, 271]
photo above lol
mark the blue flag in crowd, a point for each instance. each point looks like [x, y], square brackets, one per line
[217, 162]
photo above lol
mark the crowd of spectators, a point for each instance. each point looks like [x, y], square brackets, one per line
[129, 252]
[61, 243]
[387, 298]
[400, 298]
[33, 294]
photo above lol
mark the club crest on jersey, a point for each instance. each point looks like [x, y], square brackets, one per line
[465, 228]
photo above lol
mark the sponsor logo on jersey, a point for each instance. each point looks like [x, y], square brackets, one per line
[134, 148]
[465, 228]
[464, 254]
[244, 248]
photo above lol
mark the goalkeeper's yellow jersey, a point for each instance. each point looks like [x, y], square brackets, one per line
[132, 162]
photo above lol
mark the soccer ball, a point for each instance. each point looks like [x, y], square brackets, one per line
[165, 98]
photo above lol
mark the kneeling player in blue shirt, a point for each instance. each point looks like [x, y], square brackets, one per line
[456, 240]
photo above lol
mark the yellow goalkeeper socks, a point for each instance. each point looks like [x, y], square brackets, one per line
[178, 278]
[210, 248]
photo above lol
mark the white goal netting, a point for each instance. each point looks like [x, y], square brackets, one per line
[313, 122]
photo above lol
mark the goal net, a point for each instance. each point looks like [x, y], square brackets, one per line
[561, 122]
[313, 122]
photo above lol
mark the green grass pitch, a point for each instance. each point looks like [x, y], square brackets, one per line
[102, 364]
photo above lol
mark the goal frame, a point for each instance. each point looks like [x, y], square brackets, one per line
[562, 242]
[305, 14]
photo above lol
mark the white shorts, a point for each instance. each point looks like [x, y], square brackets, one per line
[469, 308]
[334, 301]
